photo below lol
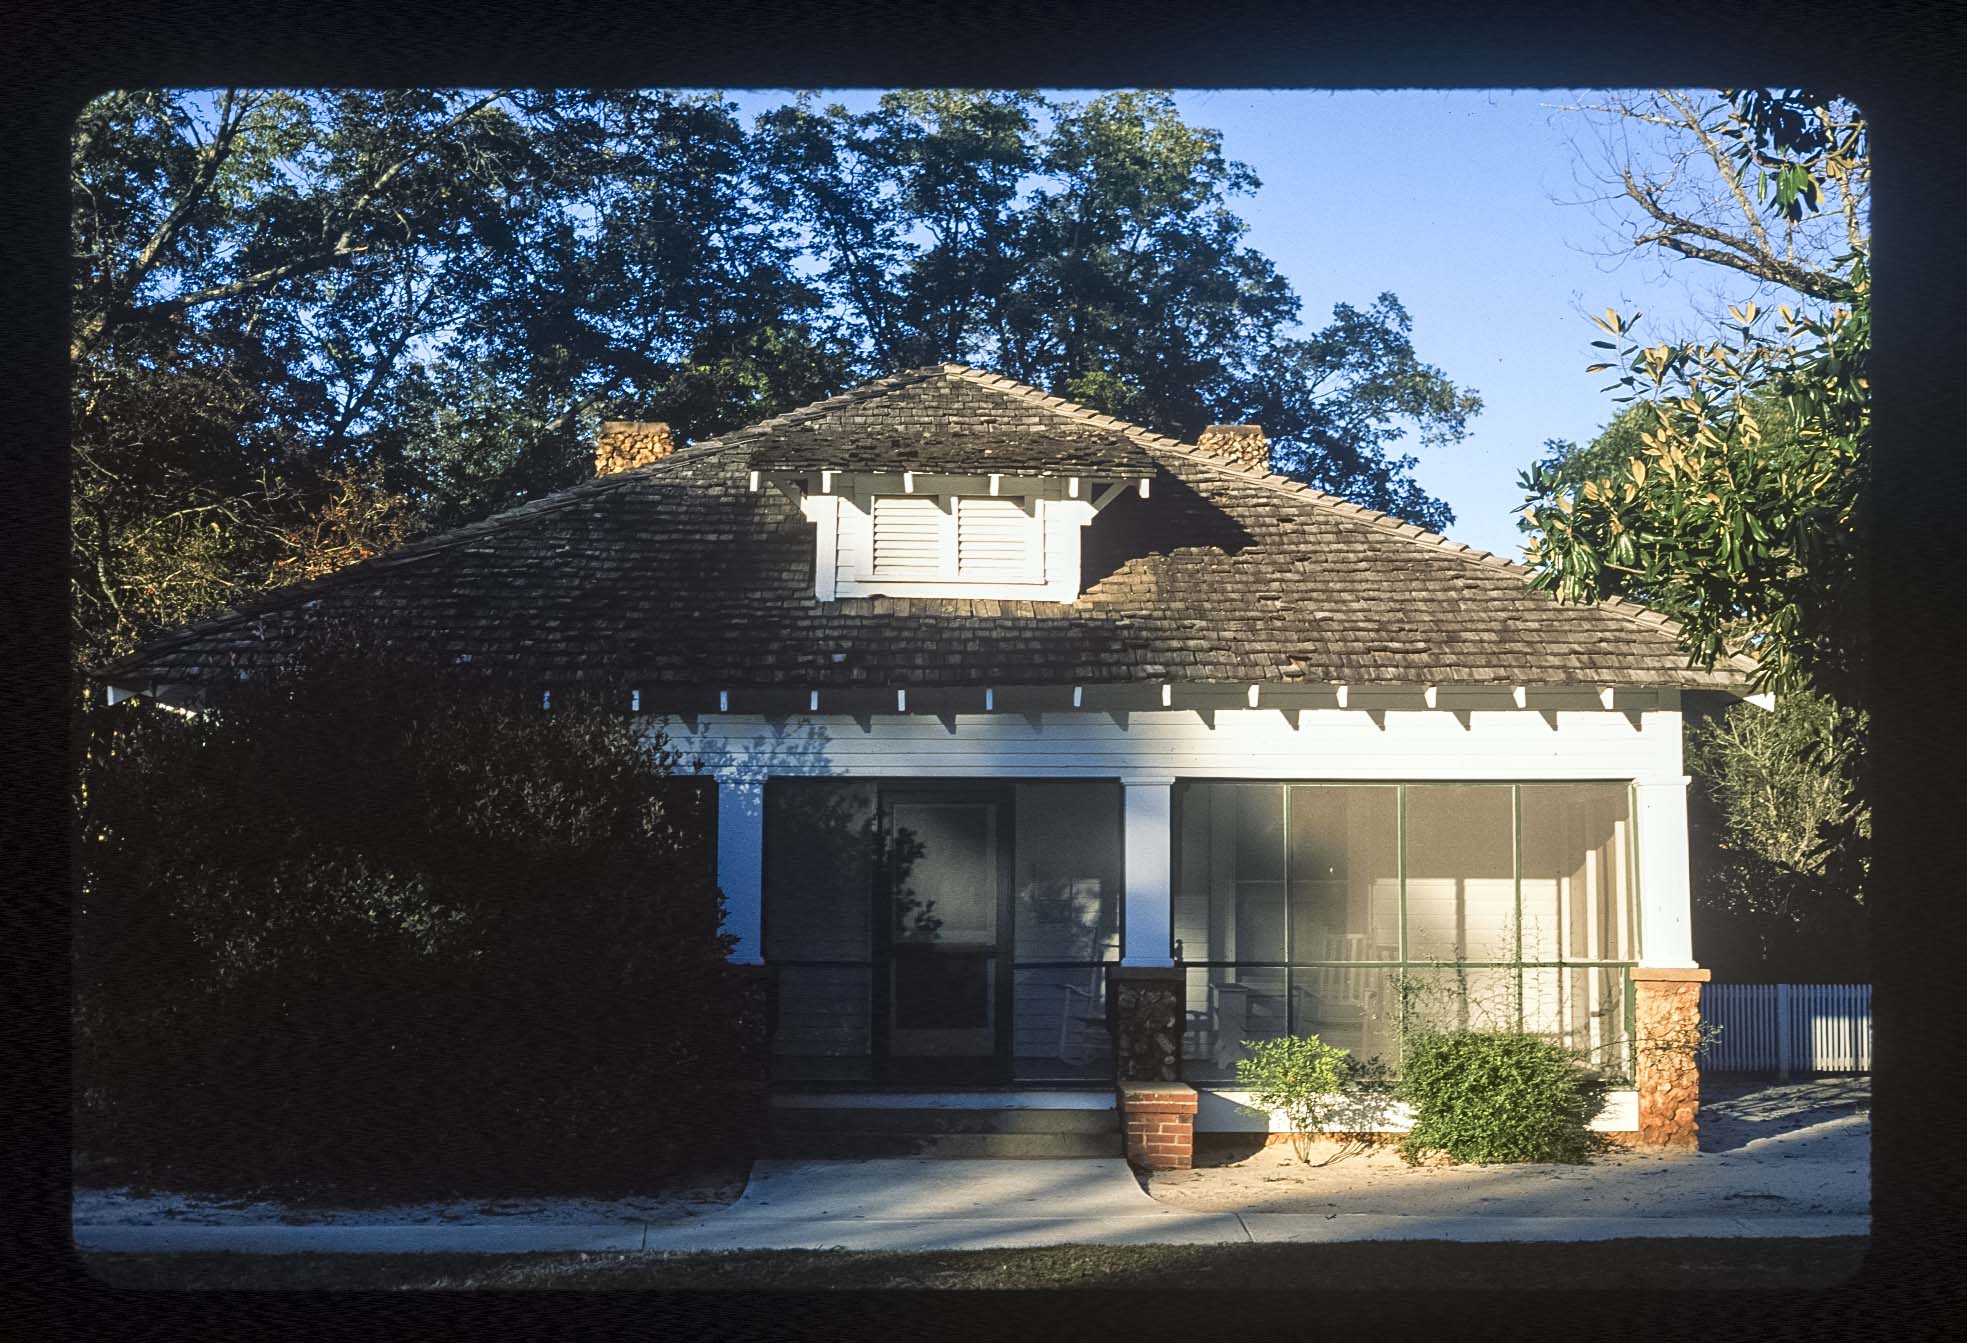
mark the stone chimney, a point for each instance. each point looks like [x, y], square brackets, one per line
[629, 443]
[1243, 444]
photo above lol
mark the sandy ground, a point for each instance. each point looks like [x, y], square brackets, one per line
[127, 1207]
[1766, 1150]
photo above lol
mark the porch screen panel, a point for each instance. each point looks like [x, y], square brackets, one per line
[1577, 905]
[1066, 921]
[1231, 912]
[1248, 881]
[1461, 872]
[1229, 895]
[1344, 858]
[1355, 1007]
[1581, 1008]
[1462, 997]
[1068, 871]
[819, 878]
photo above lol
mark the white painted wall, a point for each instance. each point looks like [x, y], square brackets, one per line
[1147, 856]
[1666, 933]
[741, 863]
[1146, 751]
[1225, 1110]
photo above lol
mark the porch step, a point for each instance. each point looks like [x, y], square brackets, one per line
[1060, 1125]
[941, 1122]
[1045, 1146]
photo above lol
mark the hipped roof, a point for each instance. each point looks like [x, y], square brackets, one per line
[678, 573]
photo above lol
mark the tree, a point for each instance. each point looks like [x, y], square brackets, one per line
[1774, 185]
[1092, 249]
[1737, 515]
[279, 294]
[325, 929]
[1728, 494]
[306, 324]
[1785, 837]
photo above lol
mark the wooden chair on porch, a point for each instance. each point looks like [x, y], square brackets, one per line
[1335, 1000]
[1229, 1017]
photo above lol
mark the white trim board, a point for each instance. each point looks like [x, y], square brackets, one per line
[1337, 744]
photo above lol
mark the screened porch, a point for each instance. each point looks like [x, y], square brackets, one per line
[942, 932]
[1352, 911]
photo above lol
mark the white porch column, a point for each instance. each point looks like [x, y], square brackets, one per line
[1666, 933]
[1147, 842]
[741, 865]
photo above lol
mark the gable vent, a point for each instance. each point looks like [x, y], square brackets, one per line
[908, 532]
[994, 539]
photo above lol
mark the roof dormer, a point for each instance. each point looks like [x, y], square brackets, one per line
[912, 534]
[967, 492]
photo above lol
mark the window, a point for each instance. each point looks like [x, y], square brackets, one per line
[1346, 909]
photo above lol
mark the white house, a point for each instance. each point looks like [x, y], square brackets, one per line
[1011, 705]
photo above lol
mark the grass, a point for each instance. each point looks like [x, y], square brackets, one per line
[1643, 1264]
[706, 1179]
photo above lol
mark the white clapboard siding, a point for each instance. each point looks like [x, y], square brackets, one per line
[1786, 1028]
[822, 1010]
[1465, 919]
[1042, 1004]
[908, 535]
[995, 539]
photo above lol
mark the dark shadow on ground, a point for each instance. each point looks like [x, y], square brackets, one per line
[1737, 1110]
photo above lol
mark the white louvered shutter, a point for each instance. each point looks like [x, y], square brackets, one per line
[995, 539]
[908, 536]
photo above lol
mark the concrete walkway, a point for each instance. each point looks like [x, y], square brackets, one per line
[938, 1204]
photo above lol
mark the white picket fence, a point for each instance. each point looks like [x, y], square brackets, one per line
[1788, 1028]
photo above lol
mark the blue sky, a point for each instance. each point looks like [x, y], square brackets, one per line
[1455, 201]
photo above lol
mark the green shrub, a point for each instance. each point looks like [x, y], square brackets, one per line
[1298, 1074]
[370, 925]
[1495, 1096]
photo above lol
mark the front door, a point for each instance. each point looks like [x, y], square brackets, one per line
[946, 899]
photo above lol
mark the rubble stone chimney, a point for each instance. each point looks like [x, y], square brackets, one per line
[623, 444]
[1243, 444]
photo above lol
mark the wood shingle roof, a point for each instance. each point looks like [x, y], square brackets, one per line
[677, 573]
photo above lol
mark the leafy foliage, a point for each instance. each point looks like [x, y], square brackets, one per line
[1735, 511]
[1729, 495]
[439, 294]
[369, 924]
[1783, 836]
[1773, 185]
[1497, 1096]
[1737, 520]
[1300, 1075]
[1092, 249]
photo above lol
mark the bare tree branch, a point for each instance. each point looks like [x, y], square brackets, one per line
[232, 111]
[1691, 119]
[1742, 256]
[344, 245]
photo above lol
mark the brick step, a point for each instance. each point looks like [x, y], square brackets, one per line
[1058, 1146]
[842, 1119]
